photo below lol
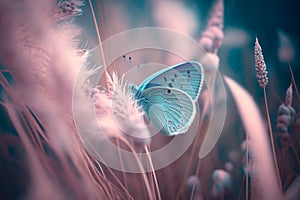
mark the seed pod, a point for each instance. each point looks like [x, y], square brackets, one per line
[260, 66]
[212, 36]
[222, 183]
[281, 127]
[283, 109]
[285, 140]
[292, 110]
[284, 119]
[229, 167]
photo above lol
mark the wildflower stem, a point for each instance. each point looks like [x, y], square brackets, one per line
[151, 178]
[146, 181]
[247, 166]
[242, 183]
[121, 161]
[113, 175]
[296, 155]
[272, 140]
[196, 141]
[197, 174]
[294, 83]
[100, 41]
[153, 172]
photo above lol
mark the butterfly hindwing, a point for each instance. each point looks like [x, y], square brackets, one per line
[187, 76]
[169, 109]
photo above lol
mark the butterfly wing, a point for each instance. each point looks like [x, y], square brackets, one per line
[187, 76]
[170, 110]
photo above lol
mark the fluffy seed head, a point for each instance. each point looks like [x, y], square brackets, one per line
[118, 114]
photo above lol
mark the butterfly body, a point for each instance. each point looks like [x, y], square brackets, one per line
[168, 97]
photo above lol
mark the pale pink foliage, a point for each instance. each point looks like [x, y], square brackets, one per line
[264, 179]
[213, 35]
[286, 49]
[44, 61]
[183, 20]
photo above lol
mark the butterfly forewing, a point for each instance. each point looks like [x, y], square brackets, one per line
[187, 76]
[169, 109]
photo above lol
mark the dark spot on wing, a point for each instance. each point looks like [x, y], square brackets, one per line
[165, 79]
[172, 80]
[169, 91]
[175, 75]
[170, 85]
[189, 76]
[188, 71]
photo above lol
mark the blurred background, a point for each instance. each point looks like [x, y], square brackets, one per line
[275, 23]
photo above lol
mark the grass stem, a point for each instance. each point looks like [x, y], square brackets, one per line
[272, 140]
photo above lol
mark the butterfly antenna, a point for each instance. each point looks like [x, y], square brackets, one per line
[129, 63]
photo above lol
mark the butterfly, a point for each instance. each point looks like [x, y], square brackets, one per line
[168, 97]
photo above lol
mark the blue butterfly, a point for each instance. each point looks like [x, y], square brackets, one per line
[168, 97]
